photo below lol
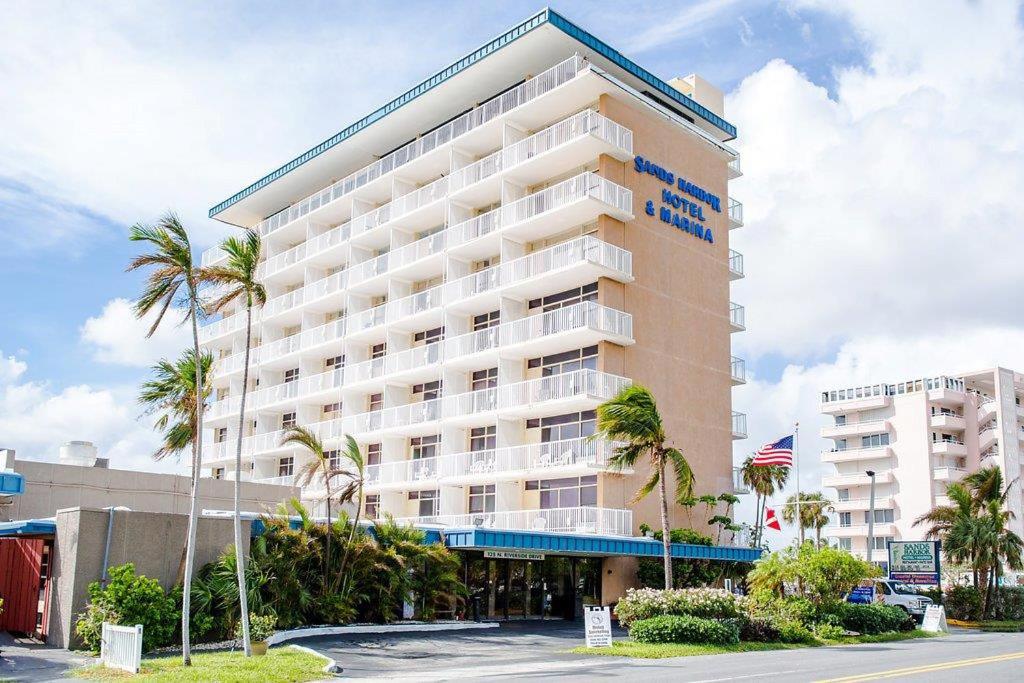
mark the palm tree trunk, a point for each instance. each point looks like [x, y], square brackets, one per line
[355, 525]
[243, 597]
[758, 516]
[327, 557]
[193, 514]
[665, 533]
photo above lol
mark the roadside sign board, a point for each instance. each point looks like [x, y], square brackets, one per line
[862, 594]
[915, 562]
[935, 619]
[598, 622]
[513, 555]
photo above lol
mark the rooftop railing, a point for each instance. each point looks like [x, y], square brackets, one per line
[593, 520]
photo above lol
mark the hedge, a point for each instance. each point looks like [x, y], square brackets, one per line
[684, 629]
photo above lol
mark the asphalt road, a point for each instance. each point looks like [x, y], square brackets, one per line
[530, 651]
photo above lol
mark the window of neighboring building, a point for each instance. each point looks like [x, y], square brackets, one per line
[331, 410]
[378, 350]
[881, 516]
[874, 440]
[372, 506]
[335, 363]
[483, 438]
[286, 466]
[843, 494]
[484, 379]
[429, 336]
[427, 391]
[376, 402]
[481, 498]
[373, 454]
[840, 420]
[428, 501]
[218, 472]
[567, 361]
[424, 446]
[333, 457]
[562, 427]
[486, 320]
[291, 375]
[882, 542]
[566, 298]
[845, 518]
[287, 420]
[567, 492]
[221, 435]
[846, 543]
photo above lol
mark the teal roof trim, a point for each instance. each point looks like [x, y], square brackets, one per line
[544, 16]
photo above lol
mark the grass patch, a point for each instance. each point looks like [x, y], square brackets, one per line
[1002, 626]
[629, 648]
[279, 665]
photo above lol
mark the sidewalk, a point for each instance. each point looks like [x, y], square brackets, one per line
[23, 659]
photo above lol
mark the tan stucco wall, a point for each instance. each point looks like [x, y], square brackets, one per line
[680, 307]
[152, 541]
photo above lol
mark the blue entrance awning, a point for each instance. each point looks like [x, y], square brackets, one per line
[28, 527]
[11, 484]
[590, 545]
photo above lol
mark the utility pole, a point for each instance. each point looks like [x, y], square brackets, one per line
[871, 516]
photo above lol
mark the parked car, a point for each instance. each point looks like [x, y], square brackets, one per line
[901, 595]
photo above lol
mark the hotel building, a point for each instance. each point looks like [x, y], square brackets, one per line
[918, 436]
[461, 277]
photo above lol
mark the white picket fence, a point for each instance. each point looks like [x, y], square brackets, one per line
[121, 647]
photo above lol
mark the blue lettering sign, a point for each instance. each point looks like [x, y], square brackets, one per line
[690, 218]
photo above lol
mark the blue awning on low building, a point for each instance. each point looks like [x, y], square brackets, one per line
[590, 545]
[11, 484]
[28, 527]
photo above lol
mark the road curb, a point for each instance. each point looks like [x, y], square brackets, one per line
[364, 629]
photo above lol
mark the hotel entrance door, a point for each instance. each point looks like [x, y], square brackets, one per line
[510, 589]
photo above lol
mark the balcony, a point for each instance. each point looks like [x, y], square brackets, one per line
[572, 457]
[948, 448]
[226, 326]
[558, 149]
[836, 481]
[738, 487]
[579, 520]
[856, 454]
[734, 168]
[735, 214]
[948, 474]
[574, 201]
[846, 429]
[948, 421]
[738, 371]
[737, 317]
[864, 504]
[739, 425]
[869, 397]
[987, 438]
[986, 410]
[861, 530]
[735, 265]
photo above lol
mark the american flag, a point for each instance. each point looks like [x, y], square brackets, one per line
[776, 453]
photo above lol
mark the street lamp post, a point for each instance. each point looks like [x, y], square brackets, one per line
[871, 516]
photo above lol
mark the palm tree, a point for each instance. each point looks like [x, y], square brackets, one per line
[765, 480]
[318, 467]
[812, 512]
[238, 279]
[352, 490]
[632, 417]
[730, 501]
[174, 280]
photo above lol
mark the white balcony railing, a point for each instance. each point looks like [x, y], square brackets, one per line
[735, 264]
[739, 425]
[738, 370]
[582, 453]
[735, 213]
[737, 316]
[593, 520]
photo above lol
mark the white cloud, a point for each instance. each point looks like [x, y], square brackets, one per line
[11, 369]
[117, 336]
[893, 207]
[688, 22]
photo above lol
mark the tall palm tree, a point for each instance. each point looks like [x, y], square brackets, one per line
[352, 490]
[174, 280]
[632, 417]
[765, 480]
[318, 467]
[237, 278]
[812, 512]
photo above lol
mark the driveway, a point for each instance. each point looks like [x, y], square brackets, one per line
[538, 650]
[23, 659]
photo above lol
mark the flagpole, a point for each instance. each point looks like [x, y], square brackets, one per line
[796, 458]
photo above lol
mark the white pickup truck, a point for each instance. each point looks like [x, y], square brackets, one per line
[901, 595]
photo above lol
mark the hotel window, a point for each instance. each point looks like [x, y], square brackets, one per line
[331, 410]
[562, 427]
[221, 435]
[882, 542]
[566, 298]
[484, 264]
[218, 472]
[373, 454]
[484, 379]
[291, 375]
[334, 315]
[372, 505]
[843, 494]
[333, 457]
[378, 350]
[424, 446]
[874, 441]
[568, 492]
[376, 402]
[840, 420]
[427, 391]
[222, 393]
[942, 437]
[845, 518]
[881, 516]
[486, 320]
[567, 361]
[335, 363]
[429, 336]
[483, 438]
[481, 499]
[427, 502]
[287, 420]
[286, 466]
[846, 543]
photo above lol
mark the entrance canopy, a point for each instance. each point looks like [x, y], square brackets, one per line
[589, 545]
[29, 528]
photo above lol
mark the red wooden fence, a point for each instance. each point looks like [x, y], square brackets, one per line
[20, 571]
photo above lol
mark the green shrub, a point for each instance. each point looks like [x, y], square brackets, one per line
[963, 602]
[1009, 603]
[934, 593]
[876, 618]
[260, 627]
[794, 632]
[128, 600]
[827, 631]
[706, 603]
[684, 629]
[758, 630]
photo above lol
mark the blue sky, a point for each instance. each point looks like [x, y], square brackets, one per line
[882, 145]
